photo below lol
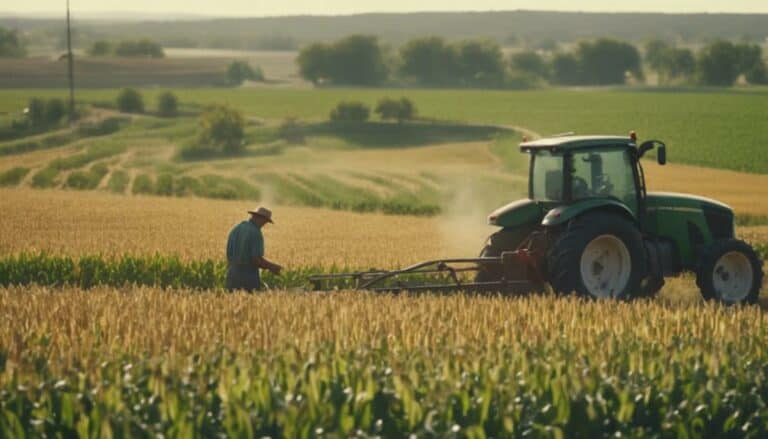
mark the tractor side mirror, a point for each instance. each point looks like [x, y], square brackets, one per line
[661, 154]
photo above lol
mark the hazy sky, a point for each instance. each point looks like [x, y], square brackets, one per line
[292, 7]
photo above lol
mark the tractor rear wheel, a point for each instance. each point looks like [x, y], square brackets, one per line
[730, 271]
[599, 255]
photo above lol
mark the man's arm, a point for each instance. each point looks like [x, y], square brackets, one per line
[262, 262]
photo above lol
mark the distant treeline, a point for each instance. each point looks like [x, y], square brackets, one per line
[434, 62]
[519, 28]
[144, 48]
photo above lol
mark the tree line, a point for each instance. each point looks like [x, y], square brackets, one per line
[435, 62]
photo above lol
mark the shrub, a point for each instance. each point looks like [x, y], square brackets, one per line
[239, 71]
[87, 179]
[291, 130]
[36, 112]
[130, 101]
[142, 184]
[100, 48]
[54, 111]
[350, 112]
[167, 104]
[118, 181]
[102, 128]
[13, 176]
[222, 130]
[164, 185]
[402, 109]
[140, 48]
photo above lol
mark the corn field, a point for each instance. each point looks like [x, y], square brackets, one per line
[135, 362]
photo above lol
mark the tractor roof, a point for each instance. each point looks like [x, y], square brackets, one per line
[576, 142]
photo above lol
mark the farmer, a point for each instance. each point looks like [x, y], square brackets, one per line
[245, 252]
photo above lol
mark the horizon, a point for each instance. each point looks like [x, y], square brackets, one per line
[179, 9]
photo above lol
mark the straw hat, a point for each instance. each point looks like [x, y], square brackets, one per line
[262, 212]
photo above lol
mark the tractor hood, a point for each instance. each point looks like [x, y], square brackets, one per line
[518, 213]
[684, 203]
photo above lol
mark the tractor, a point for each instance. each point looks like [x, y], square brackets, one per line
[589, 227]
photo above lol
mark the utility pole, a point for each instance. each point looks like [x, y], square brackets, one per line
[70, 61]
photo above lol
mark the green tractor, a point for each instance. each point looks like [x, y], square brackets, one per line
[589, 226]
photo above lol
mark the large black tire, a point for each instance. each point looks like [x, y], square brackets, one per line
[615, 262]
[725, 271]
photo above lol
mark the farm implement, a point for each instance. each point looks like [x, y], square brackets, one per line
[589, 227]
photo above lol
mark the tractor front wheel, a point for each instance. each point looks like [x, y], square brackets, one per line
[599, 255]
[730, 271]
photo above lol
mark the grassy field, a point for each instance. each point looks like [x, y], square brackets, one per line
[714, 128]
[180, 68]
[129, 334]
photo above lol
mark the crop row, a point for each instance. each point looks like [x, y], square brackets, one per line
[139, 363]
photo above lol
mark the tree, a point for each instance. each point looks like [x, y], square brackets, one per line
[129, 100]
[357, 60]
[656, 54]
[36, 112]
[430, 61]
[350, 112]
[607, 61]
[222, 129]
[400, 109]
[751, 63]
[140, 48]
[167, 104]
[719, 63]
[530, 62]
[480, 63]
[11, 45]
[566, 69]
[315, 62]
[100, 48]
[680, 63]
[239, 71]
[54, 111]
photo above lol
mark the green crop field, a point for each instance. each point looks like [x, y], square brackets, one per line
[714, 128]
[113, 321]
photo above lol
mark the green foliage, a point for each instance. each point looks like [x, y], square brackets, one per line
[143, 185]
[54, 111]
[129, 100]
[87, 180]
[473, 63]
[670, 62]
[354, 60]
[530, 62]
[143, 48]
[45, 178]
[398, 109]
[101, 48]
[103, 127]
[118, 181]
[43, 113]
[314, 62]
[292, 131]
[566, 69]
[239, 71]
[13, 176]
[11, 46]
[221, 132]
[430, 61]
[350, 112]
[608, 61]
[718, 64]
[36, 112]
[167, 104]
[481, 63]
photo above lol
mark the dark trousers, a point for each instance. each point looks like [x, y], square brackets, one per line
[243, 277]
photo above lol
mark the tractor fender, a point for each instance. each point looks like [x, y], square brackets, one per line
[563, 214]
[518, 213]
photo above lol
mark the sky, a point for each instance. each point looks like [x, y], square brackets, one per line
[336, 7]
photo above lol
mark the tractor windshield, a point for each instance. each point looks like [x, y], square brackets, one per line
[604, 173]
[547, 177]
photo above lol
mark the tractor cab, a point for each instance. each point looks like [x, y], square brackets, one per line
[574, 168]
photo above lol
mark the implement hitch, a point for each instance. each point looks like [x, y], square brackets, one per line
[521, 274]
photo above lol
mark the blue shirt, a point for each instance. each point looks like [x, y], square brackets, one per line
[245, 242]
